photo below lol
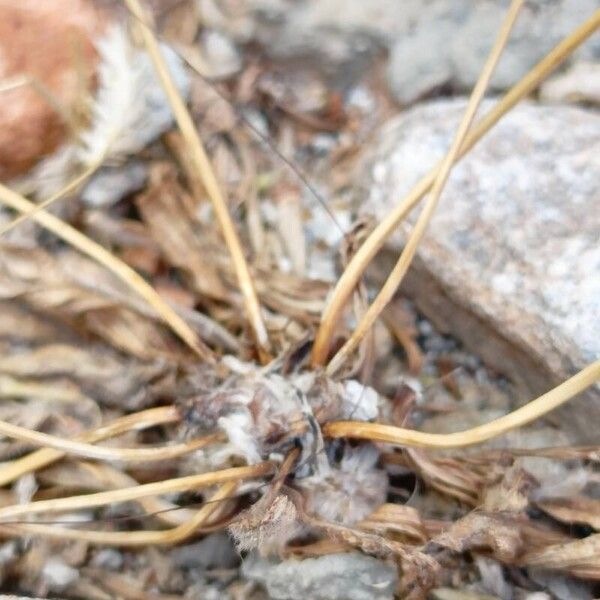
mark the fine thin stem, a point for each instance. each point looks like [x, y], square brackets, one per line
[100, 452]
[399, 271]
[123, 271]
[168, 486]
[201, 162]
[163, 415]
[70, 187]
[535, 409]
[360, 261]
[132, 538]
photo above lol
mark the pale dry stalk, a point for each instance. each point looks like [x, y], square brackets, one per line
[132, 538]
[37, 438]
[168, 486]
[365, 254]
[399, 271]
[101, 255]
[162, 415]
[201, 162]
[535, 409]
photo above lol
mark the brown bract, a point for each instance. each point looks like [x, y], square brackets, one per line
[46, 57]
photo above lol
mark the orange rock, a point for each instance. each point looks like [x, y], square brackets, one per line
[50, 43]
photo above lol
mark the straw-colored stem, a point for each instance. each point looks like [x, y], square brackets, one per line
[70, 187]
[406, 257]
[535, 409]
[201, 162]
[18, 388]
[360, 261]
[161, 509]
[124, 272]
[152, 417]
[179, 484]
[9, 472]
[86, 450]
[131, 538]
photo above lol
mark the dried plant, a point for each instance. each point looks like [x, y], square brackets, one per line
[399, 271]
[311, 453]
[351, 275]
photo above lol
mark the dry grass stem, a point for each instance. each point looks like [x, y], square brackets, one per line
[69, 188]
[360, 261]
[9, 472]
[132, 538]
[535, 409]
[160, 509]
[80, 346]
[168, 486]
[591, 453]
[579, 558]
[201, 162]
[86, 450]
[399, 271]
[125, 273]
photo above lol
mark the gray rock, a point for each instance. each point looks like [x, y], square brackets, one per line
[431, 42]
[339, 37]
[560, 586]
[452, 38]
[580, 83]
[111, 184]
[350, 576]
[511, 262]
[215, 550]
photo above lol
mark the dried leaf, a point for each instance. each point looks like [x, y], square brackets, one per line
[397, 519]
[579, 509]
[74, 288]
[510, 493]
[447, 475]
[106, 376]
[79, 476]
[506, 535]
[401, 323]
[20, 325]
[268, 525]
[112, 231]
[163, 209]
[580, 558]
[450, 594]
[480, 531]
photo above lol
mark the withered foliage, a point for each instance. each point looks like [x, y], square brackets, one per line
[579, 558]
[83, 358]
[579, 509]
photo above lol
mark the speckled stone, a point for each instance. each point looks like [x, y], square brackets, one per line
[431, 43]
[348, 576]
[511, 261]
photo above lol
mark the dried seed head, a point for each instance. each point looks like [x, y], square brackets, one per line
[349, 492]
[261, 411]
[264, 413]
[267, 526]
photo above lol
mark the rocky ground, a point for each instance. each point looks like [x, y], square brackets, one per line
[332, 111]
